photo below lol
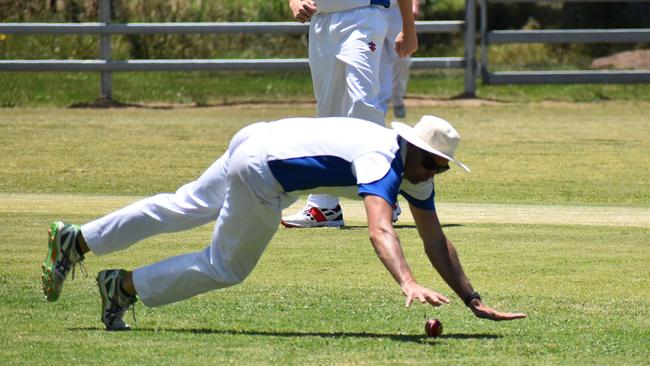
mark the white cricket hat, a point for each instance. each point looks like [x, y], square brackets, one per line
[432, 134]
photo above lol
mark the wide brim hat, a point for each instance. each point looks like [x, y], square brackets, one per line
[432, 134]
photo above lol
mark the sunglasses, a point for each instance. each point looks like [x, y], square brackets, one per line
[429, 163]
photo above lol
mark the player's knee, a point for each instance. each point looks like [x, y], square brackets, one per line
[232, 272]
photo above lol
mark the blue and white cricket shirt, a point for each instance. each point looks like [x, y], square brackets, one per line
[341, 156]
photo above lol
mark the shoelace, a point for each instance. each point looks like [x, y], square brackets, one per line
[116, 310]
[82, 267]
[65, 263]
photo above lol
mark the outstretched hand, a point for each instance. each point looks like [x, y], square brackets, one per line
[485, 312]
[414, 291]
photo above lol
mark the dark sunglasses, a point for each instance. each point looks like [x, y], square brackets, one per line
[429, 163]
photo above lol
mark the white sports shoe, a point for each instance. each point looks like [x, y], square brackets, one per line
[311, 216]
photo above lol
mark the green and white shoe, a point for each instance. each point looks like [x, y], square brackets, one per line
[115, 302]
[62, 255]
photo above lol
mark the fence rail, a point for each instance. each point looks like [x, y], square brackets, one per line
[628, 35]
[569, 36]
[105, 29]
[445, 26]
[106, 65]
[198, 64]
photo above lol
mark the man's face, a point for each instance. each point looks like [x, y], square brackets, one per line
[422, 165]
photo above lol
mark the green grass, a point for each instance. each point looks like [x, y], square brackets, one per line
[321, 296]
[308, 303]
[33, 89]
[559, 153]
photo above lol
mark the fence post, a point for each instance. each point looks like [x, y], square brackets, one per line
[105, 53]
[470, 49]
[483, 65]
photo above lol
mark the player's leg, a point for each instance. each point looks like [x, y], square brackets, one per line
[327, 71]
[360, 33]
[344, 53]
[194, 204]
[329, 81]
[392, 93]
[401, 72]
[246, 223]
[361, 50]
[243, 229]
[386, 75]
[242, 232]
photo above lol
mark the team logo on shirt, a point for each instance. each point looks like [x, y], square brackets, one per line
[372, 46]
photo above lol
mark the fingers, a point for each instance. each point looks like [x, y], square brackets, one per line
[409, 300]
[436, 299]
[487, 313]
[443, 298]
[512, 316]
[426, 296]
[304, 12]
[401, 49]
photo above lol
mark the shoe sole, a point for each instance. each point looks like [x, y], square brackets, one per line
[51, 287]
[290, 225]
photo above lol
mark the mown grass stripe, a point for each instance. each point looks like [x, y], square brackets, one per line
[448, 212]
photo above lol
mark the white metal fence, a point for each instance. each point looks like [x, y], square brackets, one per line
[626, 35]
[106, 65]
[105, 28]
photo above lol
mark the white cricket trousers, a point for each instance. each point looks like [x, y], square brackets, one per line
[237, 190]
[344, 54]
[394, 70]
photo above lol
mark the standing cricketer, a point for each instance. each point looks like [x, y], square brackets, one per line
[346, 42]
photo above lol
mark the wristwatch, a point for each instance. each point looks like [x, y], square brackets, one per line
[468, 299]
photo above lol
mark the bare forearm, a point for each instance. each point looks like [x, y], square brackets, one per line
[445, 260]
[389, 251]
[406, 10]
[387, 246]
[441, 252]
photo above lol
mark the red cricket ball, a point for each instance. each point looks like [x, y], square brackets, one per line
[433, 328]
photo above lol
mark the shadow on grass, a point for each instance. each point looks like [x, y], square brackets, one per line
[396, 226]
[395, 337]
[103, 103]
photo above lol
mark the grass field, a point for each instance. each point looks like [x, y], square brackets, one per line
[522, 222]
[62, 89]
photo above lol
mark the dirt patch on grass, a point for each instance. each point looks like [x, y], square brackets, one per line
[422, 101]
[628, 60]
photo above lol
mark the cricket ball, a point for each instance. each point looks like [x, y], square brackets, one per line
[433, 328]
